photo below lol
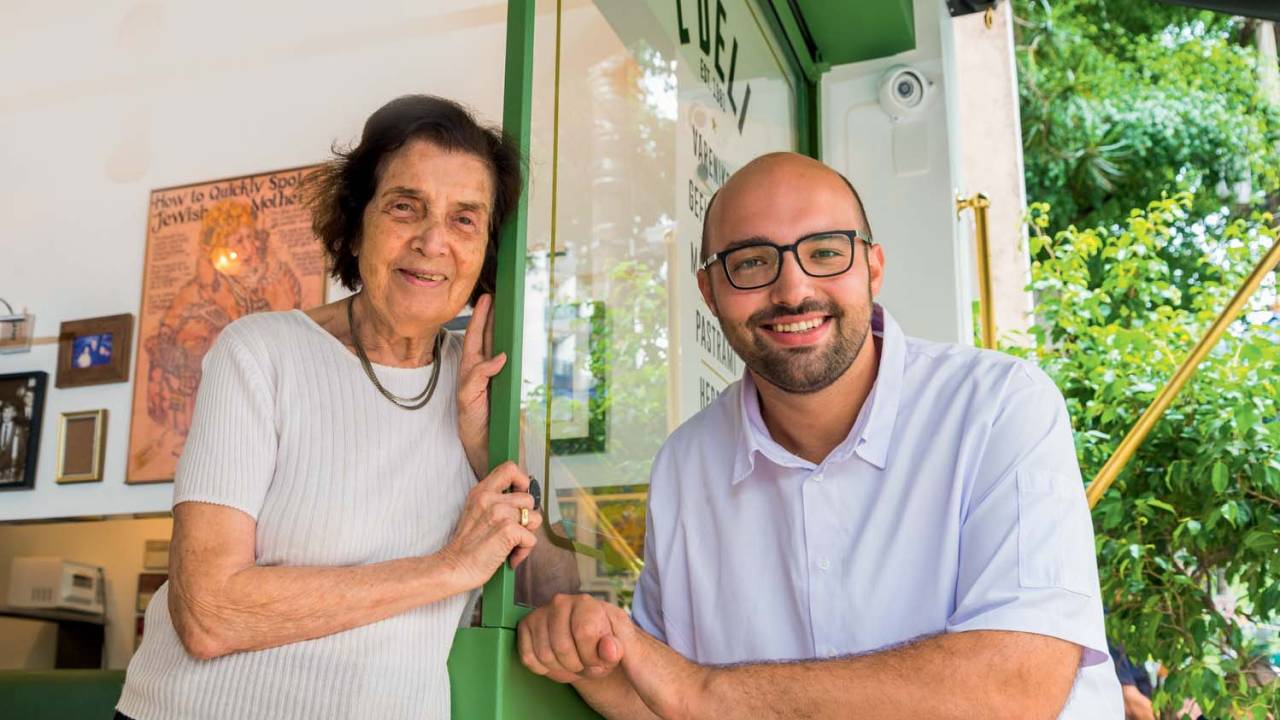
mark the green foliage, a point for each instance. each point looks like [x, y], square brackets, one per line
[1123, 102]
[637, 362]
[1199, 504]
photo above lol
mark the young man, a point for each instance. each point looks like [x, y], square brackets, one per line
[866, 525]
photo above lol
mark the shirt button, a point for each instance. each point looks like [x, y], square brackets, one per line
[824, 564]
[817, 478]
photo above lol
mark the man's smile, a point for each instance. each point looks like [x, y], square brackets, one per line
[799, 330]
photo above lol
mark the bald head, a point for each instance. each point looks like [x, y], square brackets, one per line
[781, 171]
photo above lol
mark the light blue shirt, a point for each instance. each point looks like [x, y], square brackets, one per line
[954, 504]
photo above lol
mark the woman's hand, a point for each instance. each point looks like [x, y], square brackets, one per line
[489, 530]
[474, 373]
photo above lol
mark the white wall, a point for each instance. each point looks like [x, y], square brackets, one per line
[912, 213]
[101, 102]
[986, 119]
[116, 545]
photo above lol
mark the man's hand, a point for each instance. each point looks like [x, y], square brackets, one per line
[474, 372]
[574, 637]
[582, 640]
[1136, 705]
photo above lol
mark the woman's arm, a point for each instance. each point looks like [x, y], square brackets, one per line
[222, 602]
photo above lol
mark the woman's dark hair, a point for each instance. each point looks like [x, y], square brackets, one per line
[340, 190]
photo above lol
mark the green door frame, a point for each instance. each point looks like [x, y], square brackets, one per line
[487, 680]
[787, 26]
[498, 607]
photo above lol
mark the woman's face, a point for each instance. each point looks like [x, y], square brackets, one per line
[425, 231]
[237, 251]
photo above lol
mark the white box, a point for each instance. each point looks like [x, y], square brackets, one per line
[52, 583]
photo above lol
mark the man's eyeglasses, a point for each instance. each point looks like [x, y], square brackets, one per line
[824, 254]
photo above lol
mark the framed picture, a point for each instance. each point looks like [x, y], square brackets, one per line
[216, 251]
[21, 409]
[81, 441]
[155, 555]
[607, 524]
[578, 356]
[148, 584]
[620, 527]
[94, 351]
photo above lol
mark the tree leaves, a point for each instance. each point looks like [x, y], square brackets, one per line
[1142, 123]
[1113, 111]
[1219, 477]
[1201, 496]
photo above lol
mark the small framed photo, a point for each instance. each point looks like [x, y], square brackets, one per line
[94, 351]
[148, 584]
[155, 555]
[81, 441]
[21, 409]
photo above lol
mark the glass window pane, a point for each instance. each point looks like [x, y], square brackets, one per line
[640, 114]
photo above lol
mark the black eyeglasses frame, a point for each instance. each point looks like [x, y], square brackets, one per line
[852, 235]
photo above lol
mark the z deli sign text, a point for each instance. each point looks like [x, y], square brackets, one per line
[714, 36]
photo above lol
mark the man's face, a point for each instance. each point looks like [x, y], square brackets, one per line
[801, 333]
[9, 413]
[425, 233]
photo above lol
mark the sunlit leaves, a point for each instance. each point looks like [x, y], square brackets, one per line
[1200, 500]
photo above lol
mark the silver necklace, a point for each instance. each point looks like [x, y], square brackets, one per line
[412, 403]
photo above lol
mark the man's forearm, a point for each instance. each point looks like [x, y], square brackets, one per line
[262, 607]
[614, 697]
[963, 675]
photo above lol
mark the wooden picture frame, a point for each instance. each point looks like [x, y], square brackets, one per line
[95, 351]
[148, 584]
[21, 412]
[82, 441]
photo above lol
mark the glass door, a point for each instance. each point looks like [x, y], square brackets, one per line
[641, 110]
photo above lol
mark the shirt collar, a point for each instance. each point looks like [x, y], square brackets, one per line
[871, 432]
[886, 394]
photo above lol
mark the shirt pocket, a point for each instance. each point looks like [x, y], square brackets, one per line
[1055, 533]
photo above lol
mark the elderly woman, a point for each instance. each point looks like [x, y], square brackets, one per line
[329, 530]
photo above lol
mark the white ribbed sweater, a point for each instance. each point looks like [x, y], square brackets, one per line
[289, 429]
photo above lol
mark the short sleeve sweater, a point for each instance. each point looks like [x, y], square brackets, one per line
[290, 430]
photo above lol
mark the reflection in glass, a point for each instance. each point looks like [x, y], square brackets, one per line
[625, 135]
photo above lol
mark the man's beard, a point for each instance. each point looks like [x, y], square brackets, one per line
[808, 369]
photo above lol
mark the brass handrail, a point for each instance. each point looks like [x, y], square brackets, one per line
[986, 295]
[1124, 452]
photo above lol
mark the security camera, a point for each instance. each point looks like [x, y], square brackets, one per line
[904, 92]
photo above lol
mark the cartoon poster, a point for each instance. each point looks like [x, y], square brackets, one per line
[216, 251]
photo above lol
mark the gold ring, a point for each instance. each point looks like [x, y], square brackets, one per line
[524, 517]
